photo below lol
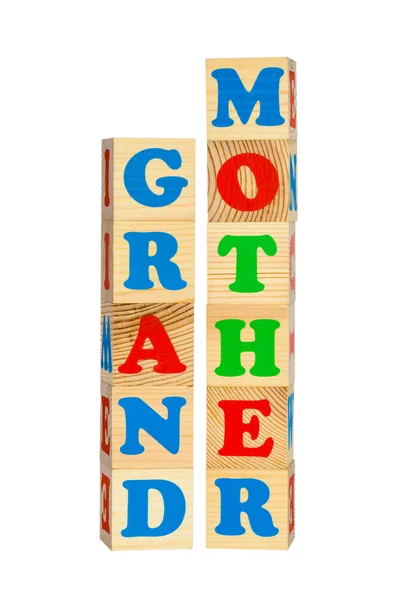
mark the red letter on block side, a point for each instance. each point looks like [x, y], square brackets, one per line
[291, 503]
[106, 261]
[151, 328]
[235, 428]
[105, 424]
[266, 178]
[105, 503]
[292, 99]
[107, 178]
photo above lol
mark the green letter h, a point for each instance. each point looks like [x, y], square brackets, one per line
[232, 347]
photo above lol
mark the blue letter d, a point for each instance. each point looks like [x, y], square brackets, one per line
[138, 507]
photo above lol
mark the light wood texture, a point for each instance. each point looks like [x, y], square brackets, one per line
[279, 153]
[119, 262]
[280, 505]
[274, 426]
[121, 205]
[178, 321]
[155, 456]
[284, 314]
[181, 538]
[248, 70]
[275, 272]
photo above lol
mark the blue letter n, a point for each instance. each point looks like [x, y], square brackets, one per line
[265, 91]
[106, 362]
[138, 415]
[260, 518]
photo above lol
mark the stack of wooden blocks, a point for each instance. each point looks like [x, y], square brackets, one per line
[147, 320]
[252, 199]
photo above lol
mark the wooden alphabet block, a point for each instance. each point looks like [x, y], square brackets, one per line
[146, 428]
[249, 427]
[250, 345]
[251, 99]
[252, 181]
[146, 261]
[251, 263]
[148, 179]
[147, 344]
[250, 509]
[146, 509]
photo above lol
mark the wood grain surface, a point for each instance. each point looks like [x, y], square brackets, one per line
[119, 262]
[282, 313]
[178, 321]
[122, 207]
[155, 456]
[276, 151]
[273, 271]
[278, 506]
[274, 426]
[248, 70]
[181, 538]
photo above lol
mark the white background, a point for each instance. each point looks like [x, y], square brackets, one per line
[75, 72]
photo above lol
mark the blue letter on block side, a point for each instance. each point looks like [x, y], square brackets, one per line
[265, 91]
[106, 361]
[138, 415]
[135, 178]
[260, 518]
[293, 182]
[138, 507]
[140, 261]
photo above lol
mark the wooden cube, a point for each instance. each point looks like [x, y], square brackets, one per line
[147, 261]
[249, 508]
[251, 263]
[148, 179]
[250, 345]
[147, 344]
[249, 427]
[146, 428]
[146, 509]
[251, 99]
[252, 181]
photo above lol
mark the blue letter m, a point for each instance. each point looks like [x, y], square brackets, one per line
[138, 415]
[265, 91]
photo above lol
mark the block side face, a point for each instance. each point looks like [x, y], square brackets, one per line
[268, 488]
[290, 424]
[230, 445]
[272, 324]
[292, 344]
[154, 179]
[106, 435]
[248, 181]
[107, 261]
[292, 263]
[293, 181]
[107, 178]
[153, 261]
[292, 99]
[130, 410]
[106, 370]
[248, 263]
[131, 330]
[106, 505]
[233, 114]
[128, 518]
[291, 506]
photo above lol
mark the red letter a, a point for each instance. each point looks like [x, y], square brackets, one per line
[151, 328]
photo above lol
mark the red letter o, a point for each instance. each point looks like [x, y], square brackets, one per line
[266, 177]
